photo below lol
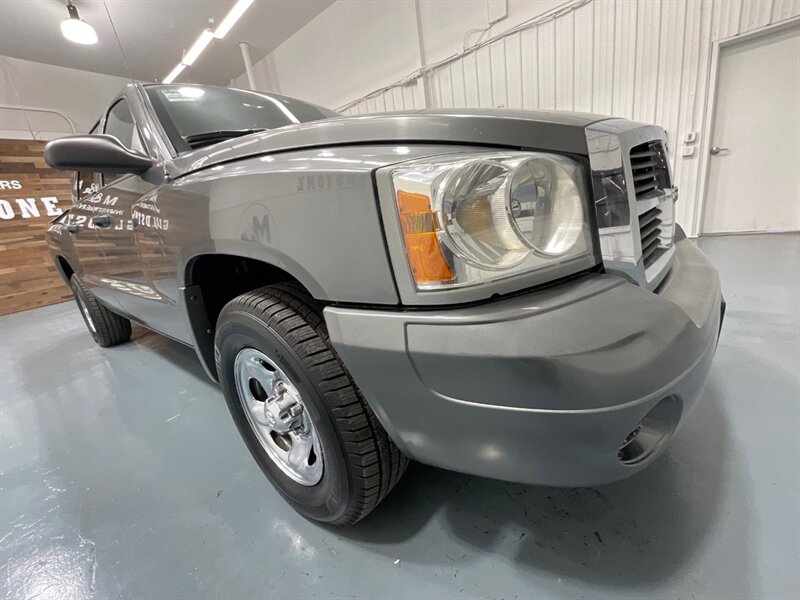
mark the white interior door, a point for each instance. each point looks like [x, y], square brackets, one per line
[754, 162]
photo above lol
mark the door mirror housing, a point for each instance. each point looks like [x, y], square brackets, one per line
[99, 153]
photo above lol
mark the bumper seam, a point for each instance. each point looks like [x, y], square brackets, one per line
[710, 347]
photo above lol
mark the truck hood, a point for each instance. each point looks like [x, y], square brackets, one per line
[532, 130]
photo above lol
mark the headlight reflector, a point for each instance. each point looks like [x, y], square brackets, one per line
[474, 201]
[546, 206]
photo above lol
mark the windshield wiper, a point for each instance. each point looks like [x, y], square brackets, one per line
[198, 140]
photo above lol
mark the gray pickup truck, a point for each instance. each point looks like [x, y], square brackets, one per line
[499, 292]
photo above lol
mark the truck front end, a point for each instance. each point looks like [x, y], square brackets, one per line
[556, 327]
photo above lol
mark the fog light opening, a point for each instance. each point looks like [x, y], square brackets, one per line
[652, 432]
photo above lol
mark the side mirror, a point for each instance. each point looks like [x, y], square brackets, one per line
[99, 153]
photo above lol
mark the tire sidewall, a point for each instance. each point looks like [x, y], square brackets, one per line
[327, 500]
[80, 297]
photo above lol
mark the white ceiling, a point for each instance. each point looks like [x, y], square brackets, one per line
[153, 33]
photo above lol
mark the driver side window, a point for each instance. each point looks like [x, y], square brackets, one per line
[85, 182]
[121, 125]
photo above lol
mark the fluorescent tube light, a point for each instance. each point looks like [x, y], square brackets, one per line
[207, 35]
[198, 47]
[174, 73]
[230, 19]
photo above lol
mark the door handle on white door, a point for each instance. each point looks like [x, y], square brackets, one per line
[716, 150]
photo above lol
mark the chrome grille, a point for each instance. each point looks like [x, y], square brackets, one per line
[650, 173]
[650, 169]
[650, 233]
[634, 199]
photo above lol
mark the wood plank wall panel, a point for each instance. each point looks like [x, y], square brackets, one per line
[646, 60]
[28, 277]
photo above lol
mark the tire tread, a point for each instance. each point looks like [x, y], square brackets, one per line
[112, 329]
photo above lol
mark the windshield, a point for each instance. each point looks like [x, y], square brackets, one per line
[197, 115]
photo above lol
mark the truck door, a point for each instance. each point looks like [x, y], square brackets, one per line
[134, 267]
[84, 235]
[119, 274]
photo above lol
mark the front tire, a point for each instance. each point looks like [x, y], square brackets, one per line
[106, 327]
[289, 393]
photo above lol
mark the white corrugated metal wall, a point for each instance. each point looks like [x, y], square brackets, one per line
[647, 60]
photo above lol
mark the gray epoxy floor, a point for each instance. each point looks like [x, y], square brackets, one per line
[123, 476]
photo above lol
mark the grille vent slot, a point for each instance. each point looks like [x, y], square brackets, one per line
[649, 168]
[650, 232]
[650, 178]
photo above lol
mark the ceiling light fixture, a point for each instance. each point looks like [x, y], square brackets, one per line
[198, 47]
[191, 56]
[77, 30]
[205, 37]
[174, 73]
[230, 19]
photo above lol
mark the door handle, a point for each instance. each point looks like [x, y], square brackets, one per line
[101, 221]
[716, 150]
[73, 228]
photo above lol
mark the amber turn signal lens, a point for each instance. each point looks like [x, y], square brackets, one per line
[419, 225]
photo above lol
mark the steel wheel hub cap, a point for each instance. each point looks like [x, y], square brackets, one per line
[276, 413]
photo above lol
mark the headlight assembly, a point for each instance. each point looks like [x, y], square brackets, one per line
[475, 218]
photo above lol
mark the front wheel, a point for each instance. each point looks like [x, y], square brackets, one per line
[299, 412]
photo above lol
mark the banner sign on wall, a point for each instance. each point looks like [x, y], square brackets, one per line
[31, 195]
[26, 208]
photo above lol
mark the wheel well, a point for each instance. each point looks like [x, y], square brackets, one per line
[64, 268]
[222, 277]
[213, 280]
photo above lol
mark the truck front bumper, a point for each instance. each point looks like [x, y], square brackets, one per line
[578, 384]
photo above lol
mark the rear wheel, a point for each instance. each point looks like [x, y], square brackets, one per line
[298, 410]
[107, 328]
